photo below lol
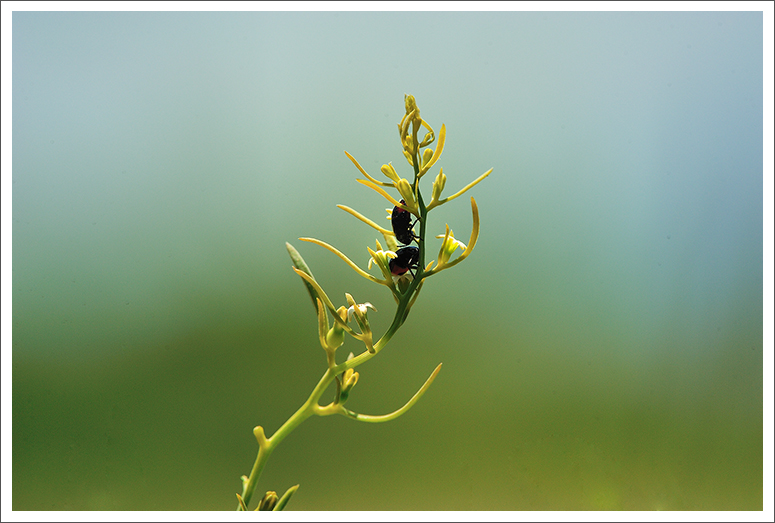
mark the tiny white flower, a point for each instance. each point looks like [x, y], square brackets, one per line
[361, 308]
[386, 254]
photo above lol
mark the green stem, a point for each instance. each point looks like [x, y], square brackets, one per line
[401, 311]
[266, 447]
[258, 466]
[312, 406]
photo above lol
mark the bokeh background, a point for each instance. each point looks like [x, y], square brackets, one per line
[602, 347]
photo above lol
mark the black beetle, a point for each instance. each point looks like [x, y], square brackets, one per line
[402, 225]
[406, 259]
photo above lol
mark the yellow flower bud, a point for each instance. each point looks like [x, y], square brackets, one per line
[349, 379]
[429, 138]
[438, 185]
[405, 189]
[408, 157]
[390, 171]
[409, 103]
[427, 154]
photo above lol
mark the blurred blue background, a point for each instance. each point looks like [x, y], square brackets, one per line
[602, 346]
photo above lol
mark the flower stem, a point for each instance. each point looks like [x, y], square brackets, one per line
[267, 445]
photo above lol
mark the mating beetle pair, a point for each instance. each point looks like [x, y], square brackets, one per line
[407, 257]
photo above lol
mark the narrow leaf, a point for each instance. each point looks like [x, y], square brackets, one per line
[300, 264]
[286, 497]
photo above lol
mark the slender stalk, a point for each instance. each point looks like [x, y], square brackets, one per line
[311, 406]
[267, 446]
[258, 466]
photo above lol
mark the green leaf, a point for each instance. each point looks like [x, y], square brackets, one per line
[286, 497]
[300, 264]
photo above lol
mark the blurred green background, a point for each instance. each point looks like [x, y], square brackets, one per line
[602, 347]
